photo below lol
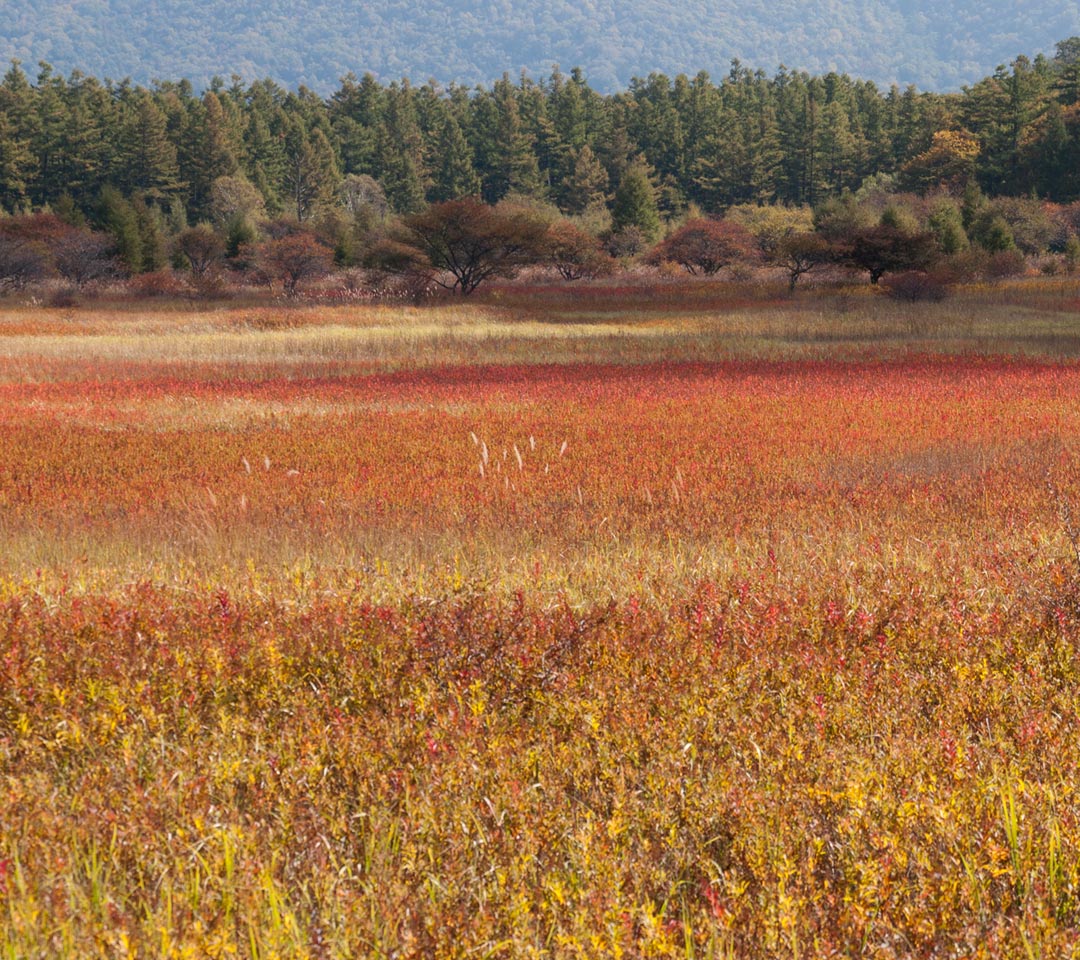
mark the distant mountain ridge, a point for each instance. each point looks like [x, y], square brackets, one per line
[937, 46]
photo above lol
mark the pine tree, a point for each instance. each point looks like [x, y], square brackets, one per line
[355, 111]
[635, 202]
[148, 159]
[152, 231]
[399, 151]
[18, 130]
[455, 175]
[946, 223]
[115, 216]
[587, 185]
[19, 101]
[655, 125]
[82, 164]
[310, 173]
[567, 111]
[835, 149]
[1048, 157]
[16, 167]
[265, 157]
[517, 170]
[214, 152]
[49, 146]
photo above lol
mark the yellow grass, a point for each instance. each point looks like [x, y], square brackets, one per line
[682, 625]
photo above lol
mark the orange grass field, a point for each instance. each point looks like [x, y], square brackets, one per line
[351, 651]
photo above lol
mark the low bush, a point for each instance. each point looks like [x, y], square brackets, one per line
[1003, 264]
[917, 286]
[157, 283]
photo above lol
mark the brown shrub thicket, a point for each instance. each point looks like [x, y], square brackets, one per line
[917, 286]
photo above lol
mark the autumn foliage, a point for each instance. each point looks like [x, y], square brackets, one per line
[574, 253]
[737, 657]
[705, 246]
[466, 241]
[293, 258]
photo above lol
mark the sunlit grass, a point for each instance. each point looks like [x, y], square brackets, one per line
[481, 630]
[506, 327]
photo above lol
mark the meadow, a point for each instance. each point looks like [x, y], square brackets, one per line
[673, 621]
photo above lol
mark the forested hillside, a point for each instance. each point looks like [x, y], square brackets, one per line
[936, 46]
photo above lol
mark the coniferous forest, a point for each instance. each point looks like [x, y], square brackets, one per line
[143, 164]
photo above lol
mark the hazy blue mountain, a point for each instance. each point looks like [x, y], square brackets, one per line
[935, 45]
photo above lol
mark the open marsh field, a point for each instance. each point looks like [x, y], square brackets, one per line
[542, 625]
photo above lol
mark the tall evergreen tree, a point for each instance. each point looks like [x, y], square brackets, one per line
[635, 202]
[516, 169]
[49, 145]
[19, 125]
[587, 186]
[836, 149]
[147, 158]
[454, 175]
[568, 110]
[310, 171]
[116, 216]
[399, 151]
[16, 167]
[215, 148]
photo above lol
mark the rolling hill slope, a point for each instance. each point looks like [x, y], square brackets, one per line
[315, 42]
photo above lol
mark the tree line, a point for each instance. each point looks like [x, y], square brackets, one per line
[790, 138]
[254, 163]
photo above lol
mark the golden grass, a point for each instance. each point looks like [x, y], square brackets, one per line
[1038, 320]
[754, 636]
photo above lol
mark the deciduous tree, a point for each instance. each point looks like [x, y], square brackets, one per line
[885, 249]
[705, 246]
[469, 240]
[22, 261]
[202, 248]
[575, 253]
[293, 259]
[82, 256]
[801, 253]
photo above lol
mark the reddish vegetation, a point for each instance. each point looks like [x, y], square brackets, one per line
[733, 659]
[700, 450]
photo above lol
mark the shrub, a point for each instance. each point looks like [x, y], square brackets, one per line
[1072, 255]
[917, 286]
[1006, 263]
[157, 283]
[963, 267]
[64, 298]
